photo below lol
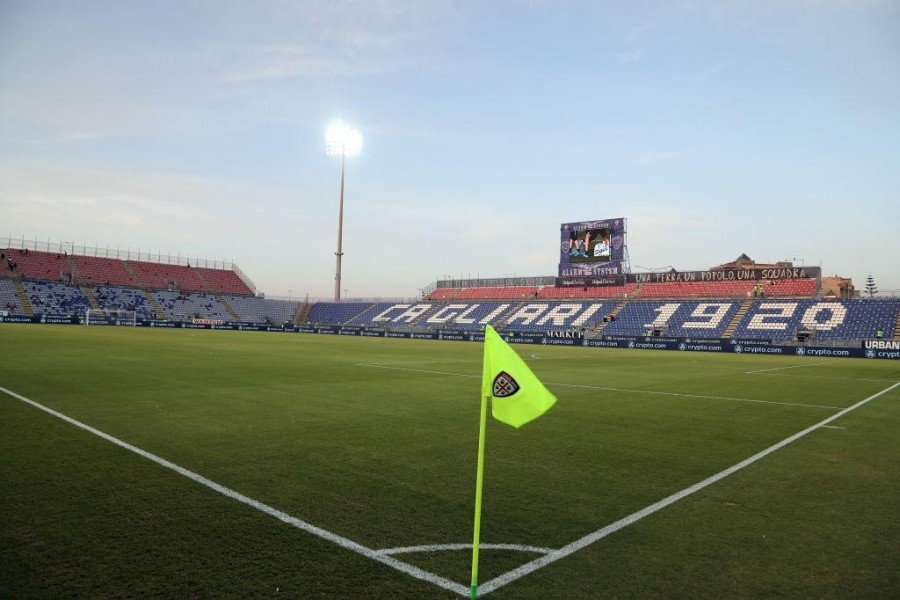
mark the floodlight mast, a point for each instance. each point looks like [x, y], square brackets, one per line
[341, 140]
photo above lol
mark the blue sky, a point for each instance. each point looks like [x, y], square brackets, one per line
[197, 127]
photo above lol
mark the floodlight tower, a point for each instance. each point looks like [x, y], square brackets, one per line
[341, 140]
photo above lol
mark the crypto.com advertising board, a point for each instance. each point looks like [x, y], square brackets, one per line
[591, 248]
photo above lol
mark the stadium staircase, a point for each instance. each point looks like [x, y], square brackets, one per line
[231, 312]
[77, 278]
[134, 275]
[897, 327]
[154, 304]
[158, 311]
[738, 317]
[76, 275]
[91, 298]
[206, 286]
[23, 297]
[302, 313]
[614, 312]
[507, 315]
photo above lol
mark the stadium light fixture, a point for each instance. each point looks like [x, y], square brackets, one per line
[344, 141]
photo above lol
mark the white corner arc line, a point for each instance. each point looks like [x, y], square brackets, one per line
[589, 539]
[607, 389]
[265, 508]
[450, 547]
[783, 368]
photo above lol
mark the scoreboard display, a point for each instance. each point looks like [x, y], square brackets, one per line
[591, 248]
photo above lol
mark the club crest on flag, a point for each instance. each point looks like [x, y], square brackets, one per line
[504, 385]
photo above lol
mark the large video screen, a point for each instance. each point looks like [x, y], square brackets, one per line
[592, 248]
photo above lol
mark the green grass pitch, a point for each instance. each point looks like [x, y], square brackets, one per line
[374, 440]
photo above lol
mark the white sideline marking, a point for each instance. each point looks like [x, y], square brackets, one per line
[589, 539]
[446, 547]
[608, 389]
[391, 368]
[273, 512]
[833, 427]
[571, 358]
[783, 368]
[823, 377]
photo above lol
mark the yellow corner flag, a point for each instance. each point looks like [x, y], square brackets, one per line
[517, 396]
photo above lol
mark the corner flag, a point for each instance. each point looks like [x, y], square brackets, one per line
[517, 397]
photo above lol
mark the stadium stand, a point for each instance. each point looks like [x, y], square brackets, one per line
[249, 308]
[223, 281]
[466, 316]
[9, 299]
[616, 291]
[32, 264]
[712, 289]
[367, 317]
[803, 288]
[48, 297]
[444, 294]
[795, 288]
[158, 276]
[328, 313]
[685, 318]
[556, 316]
[823, 319]
[279, 311]
[187, 306]
[781, 310]
[94, 270]
[497, 293]
[97, 270]
[110, 297]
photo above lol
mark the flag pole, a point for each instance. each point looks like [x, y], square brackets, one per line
[479, 476]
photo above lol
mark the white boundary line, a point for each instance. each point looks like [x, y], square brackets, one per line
[539, 357]
[607, 389]
[783, 368]
[446, 547]
[341, 541]
[822, 377]
[589, 539]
